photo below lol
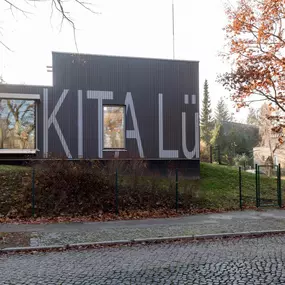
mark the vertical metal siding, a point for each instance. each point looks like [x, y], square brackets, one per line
[145, 79]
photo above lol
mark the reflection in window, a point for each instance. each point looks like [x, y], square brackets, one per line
[114, 127]
[17, 124]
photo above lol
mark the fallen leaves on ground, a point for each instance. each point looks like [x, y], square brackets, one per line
[124, 215]
[14, 239]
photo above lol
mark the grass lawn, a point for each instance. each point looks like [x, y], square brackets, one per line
[12, 168]
[219, 187]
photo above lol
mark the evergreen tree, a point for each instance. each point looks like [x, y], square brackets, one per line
[206, 119]
[222, 112]
[217, 132]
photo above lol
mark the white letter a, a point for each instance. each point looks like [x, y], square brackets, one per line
[133, 134]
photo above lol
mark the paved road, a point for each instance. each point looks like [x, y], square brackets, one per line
[248, 261]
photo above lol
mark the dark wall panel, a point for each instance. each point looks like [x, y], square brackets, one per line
[144, 79]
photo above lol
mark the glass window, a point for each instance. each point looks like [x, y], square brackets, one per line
[114, 127]
[17, 124]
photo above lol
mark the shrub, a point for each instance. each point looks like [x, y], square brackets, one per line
[204, 151]
[74, 188]
[243, 160]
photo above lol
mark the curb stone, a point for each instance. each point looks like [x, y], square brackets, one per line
[253, 234]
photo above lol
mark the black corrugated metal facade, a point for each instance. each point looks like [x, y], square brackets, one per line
[161, 99]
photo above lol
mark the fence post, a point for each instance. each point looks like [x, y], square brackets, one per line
[256, 184]
[176, 190]
[211, 154]
[240, 189]
[33, 192]
[116, 194]
[279, 186]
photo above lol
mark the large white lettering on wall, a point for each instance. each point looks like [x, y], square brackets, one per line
[196, 150]
[190, 154]
[48, 121]
[100, 96]
[105, 98]
[80, 124]
[162, 152]
[133, 134]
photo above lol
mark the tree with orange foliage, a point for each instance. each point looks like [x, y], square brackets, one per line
[256, 41]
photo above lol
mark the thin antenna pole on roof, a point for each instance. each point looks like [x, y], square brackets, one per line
[173, 30]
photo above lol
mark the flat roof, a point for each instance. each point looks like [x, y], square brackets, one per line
[126, 57]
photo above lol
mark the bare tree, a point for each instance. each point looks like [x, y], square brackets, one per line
[21, 117]
[56, 6]
[17, 124]
[267, 135]
[265, 128]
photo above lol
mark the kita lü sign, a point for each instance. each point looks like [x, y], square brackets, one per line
[135, 130]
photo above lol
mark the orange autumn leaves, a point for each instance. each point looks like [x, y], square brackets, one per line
[256, 47]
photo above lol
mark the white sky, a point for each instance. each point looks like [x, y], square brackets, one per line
[140, 28]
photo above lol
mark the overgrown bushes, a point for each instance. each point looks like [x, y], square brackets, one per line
[83, 188]
[243, 160]
[13, 182]
[72, 189]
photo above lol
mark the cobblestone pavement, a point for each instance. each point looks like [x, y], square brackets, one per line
[54, 234]
[244, 261]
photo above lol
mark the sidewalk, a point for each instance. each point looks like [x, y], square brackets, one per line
[24, 235]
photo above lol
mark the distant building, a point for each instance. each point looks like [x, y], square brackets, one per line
[239, 138]
[247, 135]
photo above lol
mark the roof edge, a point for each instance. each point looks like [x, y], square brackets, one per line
[124, 56]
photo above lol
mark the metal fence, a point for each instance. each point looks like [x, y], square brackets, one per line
[268, 187]
[86, 187]
[46, 188]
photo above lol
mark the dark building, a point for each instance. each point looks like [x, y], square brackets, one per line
[106, 107]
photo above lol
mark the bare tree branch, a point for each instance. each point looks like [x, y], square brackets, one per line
[56, 5]
[12, 5]
[59, 6]
[85, 6]
[5, 46]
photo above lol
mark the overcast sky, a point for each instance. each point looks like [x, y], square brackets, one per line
[140, 28]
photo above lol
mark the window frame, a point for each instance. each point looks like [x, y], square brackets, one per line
[124, 126]
[28, 97]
